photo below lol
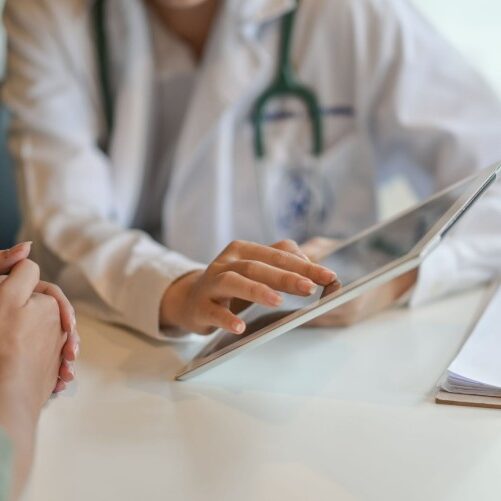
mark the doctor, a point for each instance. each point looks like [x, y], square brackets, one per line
[139, 164]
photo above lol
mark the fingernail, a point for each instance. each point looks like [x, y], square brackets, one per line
[238, 327]
[73, 322]
[273, 299]
[306, 286]
[17, 248]
[328, 276]
[76, 351]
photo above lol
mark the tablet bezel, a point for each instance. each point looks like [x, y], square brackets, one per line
[386, 273]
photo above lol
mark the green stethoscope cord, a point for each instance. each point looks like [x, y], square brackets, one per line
[284, 85]
[103, 62]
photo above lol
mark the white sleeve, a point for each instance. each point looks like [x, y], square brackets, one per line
[66, 183]
[427, 107]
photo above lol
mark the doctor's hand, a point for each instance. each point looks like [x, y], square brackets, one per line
[8, 260]
[368, 304]
[319, 248]
[204, 300]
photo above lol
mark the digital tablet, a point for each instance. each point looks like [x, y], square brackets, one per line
[368, 260]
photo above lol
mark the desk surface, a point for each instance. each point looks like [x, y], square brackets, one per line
[314, 415]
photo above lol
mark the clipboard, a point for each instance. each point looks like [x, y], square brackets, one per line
[446, 398]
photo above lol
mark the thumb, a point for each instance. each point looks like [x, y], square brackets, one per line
[12, 256]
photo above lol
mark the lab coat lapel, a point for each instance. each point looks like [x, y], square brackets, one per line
[128, 148]
[237, 67]
[236, 61]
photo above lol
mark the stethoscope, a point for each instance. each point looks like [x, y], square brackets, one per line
[284, 84]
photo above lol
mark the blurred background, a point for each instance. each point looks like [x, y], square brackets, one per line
[472, 26]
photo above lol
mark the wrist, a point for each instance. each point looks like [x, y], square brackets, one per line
[18, 394]
[172, 308]
[18, 419]
[18, 410]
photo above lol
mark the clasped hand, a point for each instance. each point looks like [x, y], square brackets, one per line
[38, 340]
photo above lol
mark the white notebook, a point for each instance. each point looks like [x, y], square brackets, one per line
[477, 368]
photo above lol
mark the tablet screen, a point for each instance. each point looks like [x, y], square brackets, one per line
[354, 261]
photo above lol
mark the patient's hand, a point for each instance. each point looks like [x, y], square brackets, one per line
[8, 260]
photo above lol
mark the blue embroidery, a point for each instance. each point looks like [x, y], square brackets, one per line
[275, 116]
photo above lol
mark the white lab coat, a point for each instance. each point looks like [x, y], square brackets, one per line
[418, 107]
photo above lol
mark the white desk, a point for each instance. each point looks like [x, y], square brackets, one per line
[339, 415]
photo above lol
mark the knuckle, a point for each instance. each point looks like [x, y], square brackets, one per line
[34, 268]
[225, 278]
[212, 268]
[55, 289]
[290, 244]
[220, 278]
[280, 258]
[256, 290]
[311, 269]
[280, 245]
[235, 247]
[230, 248]
[285, 282]
[249, 268]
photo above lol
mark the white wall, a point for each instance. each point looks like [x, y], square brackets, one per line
[474, 27]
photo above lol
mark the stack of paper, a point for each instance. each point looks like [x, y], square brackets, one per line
[477, 368]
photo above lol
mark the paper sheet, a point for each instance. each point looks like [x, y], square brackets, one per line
[479, 362]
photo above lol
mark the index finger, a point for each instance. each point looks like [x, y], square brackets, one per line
[10, 257]
[21, 282]
[286, 261]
